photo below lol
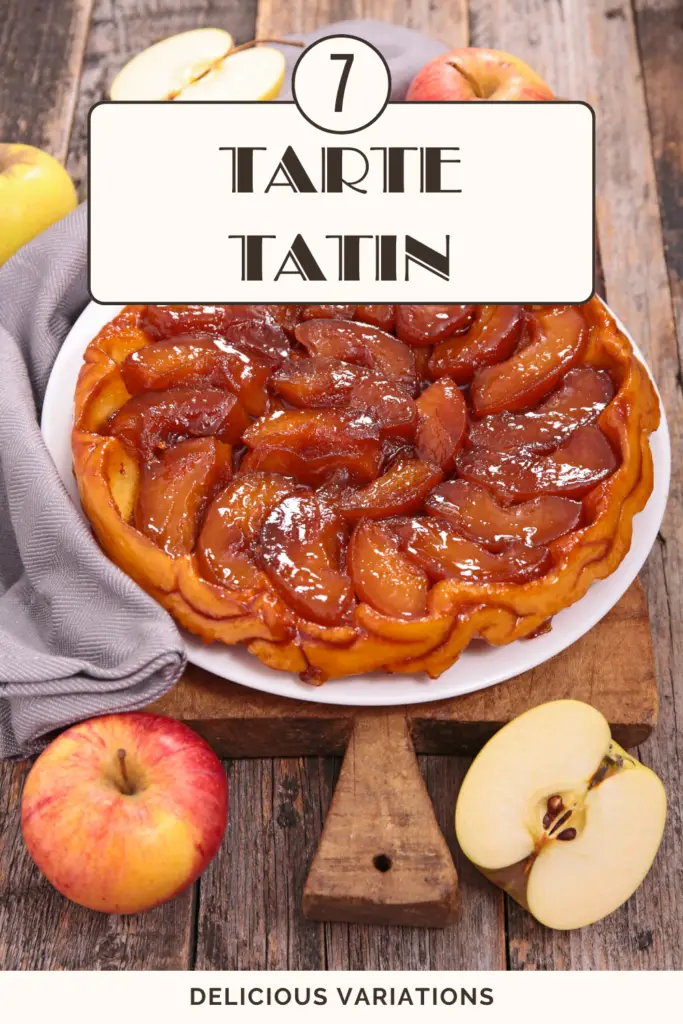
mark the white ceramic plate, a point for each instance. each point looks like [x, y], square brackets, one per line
[479, 666]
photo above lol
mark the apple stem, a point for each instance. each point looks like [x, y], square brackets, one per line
[127, 788]
[229, 53]
[468, 78]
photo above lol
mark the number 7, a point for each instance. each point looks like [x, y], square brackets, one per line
[348, 61]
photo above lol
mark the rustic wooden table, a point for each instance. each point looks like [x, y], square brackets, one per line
[625, 57]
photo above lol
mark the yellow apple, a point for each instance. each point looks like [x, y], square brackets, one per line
[35, 191]
[123, 812]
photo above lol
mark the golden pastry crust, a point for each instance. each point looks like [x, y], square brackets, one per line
[109, 473]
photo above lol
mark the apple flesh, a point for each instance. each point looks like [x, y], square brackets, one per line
[255, 74]
[35, 192]
[478, 74]
[170, 64]
[559, 816]
[124, 812]
[197, 65]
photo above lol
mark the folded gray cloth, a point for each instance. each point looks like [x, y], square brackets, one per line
[77, 637]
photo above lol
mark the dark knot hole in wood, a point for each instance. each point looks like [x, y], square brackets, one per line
[382, 862]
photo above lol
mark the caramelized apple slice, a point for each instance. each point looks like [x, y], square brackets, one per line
[443, 554]
[441, 424]
[167, 321]
[386, 404]
[175, 489]
[383, 576]
[328, 311]
[286, 317]
[399, 491]
[475, 513]
[199, 361]
[422, 356]
[158, 419]
[232, 523]
[525, 378]
[311, 445]
[318, 383]
[302, 549]
[383, 317]
[491, 338]
[359, 343]
[265, 340]
[580, 399]
[425, 325]
[571, 471]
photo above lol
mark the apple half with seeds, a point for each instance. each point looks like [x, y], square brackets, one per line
[558, 815]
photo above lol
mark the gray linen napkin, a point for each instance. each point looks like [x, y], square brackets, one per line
[77, 637]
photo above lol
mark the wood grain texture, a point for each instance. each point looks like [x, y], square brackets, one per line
[250, 897]
[659, 25]
[122, 28]
[40, 930]
[42, 47]
[590, 51]
[382, 858]
[447, 21]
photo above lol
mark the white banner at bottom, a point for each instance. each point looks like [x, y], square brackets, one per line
[177, 997]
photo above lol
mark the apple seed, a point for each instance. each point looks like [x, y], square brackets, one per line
[558, 824]
[567, 834]
[555, 805]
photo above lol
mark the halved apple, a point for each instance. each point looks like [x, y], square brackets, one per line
[170, 64]
[255, 74]
[559, 816]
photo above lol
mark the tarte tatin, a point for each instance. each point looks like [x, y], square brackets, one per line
[349, 488]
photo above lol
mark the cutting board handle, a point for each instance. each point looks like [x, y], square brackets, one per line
[382, 857]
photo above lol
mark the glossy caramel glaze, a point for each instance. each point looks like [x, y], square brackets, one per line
[348, 488]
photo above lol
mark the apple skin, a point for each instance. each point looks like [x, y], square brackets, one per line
[478, 74]
[117, 852]
[35, 191]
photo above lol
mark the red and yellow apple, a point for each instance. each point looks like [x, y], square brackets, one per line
[478, 74]
[35, 192]
[123, 812]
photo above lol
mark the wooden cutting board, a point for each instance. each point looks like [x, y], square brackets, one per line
[382, 858]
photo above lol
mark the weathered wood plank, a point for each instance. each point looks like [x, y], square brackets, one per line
[120, 30]
[42, 49]
[659, 25]
[40, 930]
[442, 21]
[250, 898]
[589, 51]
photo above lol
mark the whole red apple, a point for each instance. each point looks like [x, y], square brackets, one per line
[478, 74]
[123, 812]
